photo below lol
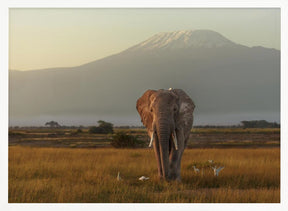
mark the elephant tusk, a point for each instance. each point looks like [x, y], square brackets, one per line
[151, 140]
[174, 137]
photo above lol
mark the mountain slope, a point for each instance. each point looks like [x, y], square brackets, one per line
[222, 78]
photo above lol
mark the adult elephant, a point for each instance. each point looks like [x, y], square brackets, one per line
[168, 117]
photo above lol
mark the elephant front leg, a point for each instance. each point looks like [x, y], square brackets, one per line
[157, 155]
[173, 163]
[176, 156]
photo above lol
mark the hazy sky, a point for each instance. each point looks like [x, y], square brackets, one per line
[43, 38]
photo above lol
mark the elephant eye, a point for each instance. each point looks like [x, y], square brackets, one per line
[151, 110]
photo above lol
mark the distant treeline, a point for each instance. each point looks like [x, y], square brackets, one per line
[244, 124]
[259, 124]
[217, 126]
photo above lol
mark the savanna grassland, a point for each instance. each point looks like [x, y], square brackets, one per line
[76, 174]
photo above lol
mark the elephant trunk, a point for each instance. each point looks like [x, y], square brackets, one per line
[164, 134]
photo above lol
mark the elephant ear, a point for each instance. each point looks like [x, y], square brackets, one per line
[186, 108]
[143, 104]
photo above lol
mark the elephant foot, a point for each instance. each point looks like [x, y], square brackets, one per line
[174, 181]
[167, 178]
[178, 179]
[161, 177]
[173, 177]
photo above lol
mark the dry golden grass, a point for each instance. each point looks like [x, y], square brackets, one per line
[89, 175]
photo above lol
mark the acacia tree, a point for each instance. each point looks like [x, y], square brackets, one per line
[52, 124]
[106, 126]
[103, 128]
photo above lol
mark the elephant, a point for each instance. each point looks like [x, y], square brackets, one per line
[168, 118]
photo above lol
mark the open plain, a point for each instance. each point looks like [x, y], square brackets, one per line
[57, 165]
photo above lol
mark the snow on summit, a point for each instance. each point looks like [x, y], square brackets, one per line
[184, 39]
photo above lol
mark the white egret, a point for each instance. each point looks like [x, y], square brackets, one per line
[118, 177]
[217, 170]
[196, 169]
[143, 178]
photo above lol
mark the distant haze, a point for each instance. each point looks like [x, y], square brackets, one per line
[229, 82]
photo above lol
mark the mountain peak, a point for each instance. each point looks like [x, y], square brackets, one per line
[184, 39]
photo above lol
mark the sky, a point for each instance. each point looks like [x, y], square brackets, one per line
[47, 38]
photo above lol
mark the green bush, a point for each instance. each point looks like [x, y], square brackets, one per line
[95, 129]
[124, 140]
[13, 133]
[79, 130]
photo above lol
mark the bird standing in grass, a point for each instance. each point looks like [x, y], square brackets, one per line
[217, 170]
[118, 177]
[195, 169]
[210, 161]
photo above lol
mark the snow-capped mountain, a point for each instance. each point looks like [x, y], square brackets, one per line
[227, 81]
[184, 39]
